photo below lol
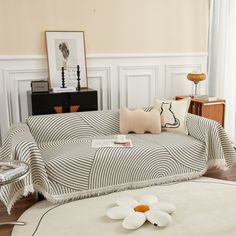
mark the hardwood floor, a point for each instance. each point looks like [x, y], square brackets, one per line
[25, 203]
[226, 175]
[19, 207]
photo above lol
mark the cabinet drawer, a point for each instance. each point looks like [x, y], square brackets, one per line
[86, 101]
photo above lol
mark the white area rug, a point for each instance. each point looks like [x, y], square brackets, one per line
[205, 207]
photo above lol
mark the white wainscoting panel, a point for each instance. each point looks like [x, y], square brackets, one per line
[122, 80]
[99, 79]
[138, 85]
[175, 84]
[18, 82]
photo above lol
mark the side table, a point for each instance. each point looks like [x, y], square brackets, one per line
[13, 179]
[214, 110]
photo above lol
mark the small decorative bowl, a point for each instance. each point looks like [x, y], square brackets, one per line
[196, 77]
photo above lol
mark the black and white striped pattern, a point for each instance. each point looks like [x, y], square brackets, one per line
[218, 146]
[64, 166]
[73, 125]
[150, 159]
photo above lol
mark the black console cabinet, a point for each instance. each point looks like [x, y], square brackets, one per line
[50, 103]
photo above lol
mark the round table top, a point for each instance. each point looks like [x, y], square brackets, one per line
[12, 171]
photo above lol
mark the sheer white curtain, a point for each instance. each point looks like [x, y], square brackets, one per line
[222, 58]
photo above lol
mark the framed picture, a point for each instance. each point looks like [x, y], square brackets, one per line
[66, 52]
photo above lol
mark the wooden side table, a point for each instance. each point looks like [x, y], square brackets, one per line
[214, 110]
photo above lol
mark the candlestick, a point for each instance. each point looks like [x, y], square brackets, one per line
[78, 78]
[63, 78]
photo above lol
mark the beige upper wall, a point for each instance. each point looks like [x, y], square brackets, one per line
[111, 26]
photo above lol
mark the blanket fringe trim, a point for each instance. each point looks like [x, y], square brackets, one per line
[100, 191]
[20, 193]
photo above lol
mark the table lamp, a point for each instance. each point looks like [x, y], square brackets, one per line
[196, 78]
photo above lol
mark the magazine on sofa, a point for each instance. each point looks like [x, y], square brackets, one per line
[98, 143]
[8, 170]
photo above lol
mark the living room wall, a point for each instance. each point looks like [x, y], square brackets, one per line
[132, 46]
[111, 26]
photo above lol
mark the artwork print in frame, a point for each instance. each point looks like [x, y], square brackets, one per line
[66, 49]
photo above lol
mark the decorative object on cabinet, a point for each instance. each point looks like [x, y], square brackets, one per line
[66, 49]
[196, 78]
[50, 103]
[210, 108]
[39, 86]
[78, 78]
[63, 90]
[63, 77]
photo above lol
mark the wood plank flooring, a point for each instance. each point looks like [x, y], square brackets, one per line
[25, 203]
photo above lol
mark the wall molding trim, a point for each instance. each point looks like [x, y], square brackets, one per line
[22, 57]
[106, 55]
[125, 79]
[145, 55]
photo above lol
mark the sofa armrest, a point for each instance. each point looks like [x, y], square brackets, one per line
[19, 144]
[17, 134]
[220, 152]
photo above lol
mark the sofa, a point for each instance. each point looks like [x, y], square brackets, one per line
[64, 166]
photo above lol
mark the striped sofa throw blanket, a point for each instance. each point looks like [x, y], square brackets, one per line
[64, 166]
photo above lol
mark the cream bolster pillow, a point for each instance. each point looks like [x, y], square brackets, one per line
[139, 121]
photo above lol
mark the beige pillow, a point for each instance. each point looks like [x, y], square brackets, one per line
[139, 121]
[173, 114]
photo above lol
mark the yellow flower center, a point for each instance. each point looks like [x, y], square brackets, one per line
[141, 208]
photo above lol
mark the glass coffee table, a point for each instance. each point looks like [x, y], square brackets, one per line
[24, 171]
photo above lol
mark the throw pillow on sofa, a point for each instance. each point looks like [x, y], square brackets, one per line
[173, 114]
[139, 121]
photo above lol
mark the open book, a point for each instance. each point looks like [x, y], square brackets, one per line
[98, 143]
[8, 170]
[206, 98]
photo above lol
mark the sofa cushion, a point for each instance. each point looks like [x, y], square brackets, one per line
[173, 114]
[139, 121]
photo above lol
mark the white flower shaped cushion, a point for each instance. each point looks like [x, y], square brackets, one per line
[135, 213]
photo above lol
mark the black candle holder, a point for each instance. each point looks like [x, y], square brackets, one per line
[78, 78]
[63, 78]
